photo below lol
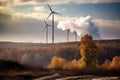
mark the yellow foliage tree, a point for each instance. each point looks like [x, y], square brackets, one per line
[88, 51]
[106, 64]
[115, 63]
[57, 63]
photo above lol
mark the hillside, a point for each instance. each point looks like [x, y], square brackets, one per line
[6, 65]
[26, 61]
[10, 70]
[41, 53]
[29, 45]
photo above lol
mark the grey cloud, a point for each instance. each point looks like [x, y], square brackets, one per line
[109, 33]
[109, 29]
[16, 2]
[26, 0]
[36, 0]
[29, 29]
[75, 1]
[4, 17]
[95, 1]
[6, 2]
[4, 20]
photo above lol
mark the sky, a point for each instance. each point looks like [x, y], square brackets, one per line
[22, 20]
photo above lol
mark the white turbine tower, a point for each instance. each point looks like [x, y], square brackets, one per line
[46, 28]
[68, 33]
[75, 35]
[52, 13]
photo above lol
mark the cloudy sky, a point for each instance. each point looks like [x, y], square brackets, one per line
[22, 20]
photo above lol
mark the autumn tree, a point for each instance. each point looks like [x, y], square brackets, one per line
[88, 51]
[106, 64]
[57, 63]
[115, 63]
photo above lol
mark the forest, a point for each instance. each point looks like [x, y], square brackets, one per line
[38, 52]
[86, 57]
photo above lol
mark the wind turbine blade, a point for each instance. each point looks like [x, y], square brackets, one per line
[45, 28]
[45, 22]
[57, 13]
[49, 25]
[49, 7]
[49, 15]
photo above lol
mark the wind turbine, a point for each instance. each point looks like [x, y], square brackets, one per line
[68, 32]
[75, 35]
[46, 28]
[52, 13]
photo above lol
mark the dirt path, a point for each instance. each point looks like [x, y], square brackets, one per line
[86, 77]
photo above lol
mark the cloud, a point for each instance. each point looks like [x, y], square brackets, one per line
[29, 27]
[95, 1]
[46, 1]
[81, 25]
[21, 2]
[108, 23]
[16, 26]
[6, 2]
[109, 29]
[34, 15]
[39, 9]
[30, 24]
[5, 18]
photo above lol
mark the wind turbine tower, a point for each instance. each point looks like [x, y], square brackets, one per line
[75, 35]
[52, 13]
[46, 28]
[68, 32]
